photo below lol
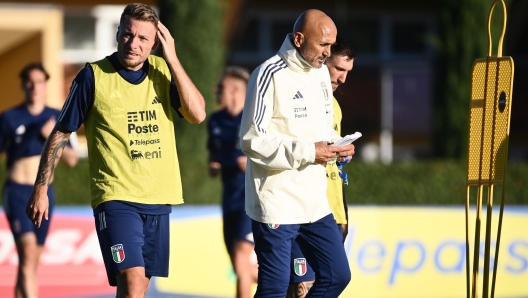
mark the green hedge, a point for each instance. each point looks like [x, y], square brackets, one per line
[72, 185]
[423, 182]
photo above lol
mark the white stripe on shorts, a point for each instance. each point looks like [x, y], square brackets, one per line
[102, 221]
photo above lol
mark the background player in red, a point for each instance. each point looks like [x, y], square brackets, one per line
[225, 157]
[23, 131]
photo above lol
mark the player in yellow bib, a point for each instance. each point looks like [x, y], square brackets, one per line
[339, 64]
[126, 102]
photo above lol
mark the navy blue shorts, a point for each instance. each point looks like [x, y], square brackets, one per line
[129, 238]
[297, 257]
[237, 227]
[16, 197]
[322, 246]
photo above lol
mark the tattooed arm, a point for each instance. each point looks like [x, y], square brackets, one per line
[38, 203]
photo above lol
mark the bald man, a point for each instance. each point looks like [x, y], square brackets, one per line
[285, 131]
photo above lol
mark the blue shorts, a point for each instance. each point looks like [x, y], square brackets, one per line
[322, 245]
[129, 238]
[16, 197]
[297, 256]
[237, 227]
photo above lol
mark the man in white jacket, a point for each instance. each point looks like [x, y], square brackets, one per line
[285, 131]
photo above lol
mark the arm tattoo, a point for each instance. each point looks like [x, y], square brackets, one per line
[50, 156]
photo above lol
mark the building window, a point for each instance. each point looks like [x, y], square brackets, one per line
[79, 32]
[247, 39]
[377, 38]
[279, 30]
[113, 40]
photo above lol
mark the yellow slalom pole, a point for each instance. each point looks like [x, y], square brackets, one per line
[501, 39]
[468, 277]
[488, 135]
[476, 249]
[485, 274]
[497, 245]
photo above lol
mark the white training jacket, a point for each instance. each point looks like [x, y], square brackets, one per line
[288, 108]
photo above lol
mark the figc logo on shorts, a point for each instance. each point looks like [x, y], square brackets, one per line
[273, 226]
[118, 253]
[300, 266]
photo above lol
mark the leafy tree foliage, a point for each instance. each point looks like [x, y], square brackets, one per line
[197, 28]
[462, 38]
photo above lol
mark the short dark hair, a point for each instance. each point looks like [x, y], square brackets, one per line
[342, 48]
[140, 12]
[237, 72]
[24, 73]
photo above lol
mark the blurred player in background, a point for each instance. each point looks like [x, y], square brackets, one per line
[126, 103]
[23, 131]
[339, 64]
[225, 157]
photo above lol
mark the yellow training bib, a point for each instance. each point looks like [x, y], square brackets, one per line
[334, 191]
[131, 140]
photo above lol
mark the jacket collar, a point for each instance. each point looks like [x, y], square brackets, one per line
[292, 57]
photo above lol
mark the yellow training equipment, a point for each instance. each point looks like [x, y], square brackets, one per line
[489, 128]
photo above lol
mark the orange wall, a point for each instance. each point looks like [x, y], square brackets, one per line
[11, 62]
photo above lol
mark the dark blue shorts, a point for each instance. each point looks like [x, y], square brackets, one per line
[129, 238]
[237, 227]
[297, 257]
[15, 198]
[322, 246]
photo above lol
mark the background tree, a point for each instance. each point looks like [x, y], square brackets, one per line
[462, 38]
[197, 28]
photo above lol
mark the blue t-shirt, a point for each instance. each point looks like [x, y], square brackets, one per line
[80, 101]
[224, 147]
[20, 132]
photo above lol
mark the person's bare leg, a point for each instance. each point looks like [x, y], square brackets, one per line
[300, 289]
[28, 257]
[132, 283]
[245, 269]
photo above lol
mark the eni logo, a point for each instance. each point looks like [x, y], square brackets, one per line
[136, 154]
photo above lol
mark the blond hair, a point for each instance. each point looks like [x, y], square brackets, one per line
[140, 12]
